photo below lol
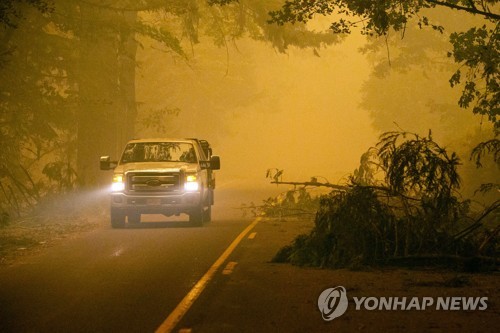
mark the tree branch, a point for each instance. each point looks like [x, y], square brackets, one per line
[154, 6]
[472, 9]
[317, 184]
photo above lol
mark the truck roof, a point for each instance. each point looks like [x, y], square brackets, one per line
[160, 140]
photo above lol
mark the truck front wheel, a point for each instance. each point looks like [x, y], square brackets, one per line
[196, 217]
[207, 214]
[117, 218]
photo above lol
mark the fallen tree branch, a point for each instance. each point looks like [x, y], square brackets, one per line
[316, 184]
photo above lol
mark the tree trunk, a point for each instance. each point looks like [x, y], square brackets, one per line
[107, 111]
[127, 63]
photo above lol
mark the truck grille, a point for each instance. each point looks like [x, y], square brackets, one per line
[153, 181]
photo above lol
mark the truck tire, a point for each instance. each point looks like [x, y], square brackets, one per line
[207, 214]
[117, 218]
[212, 197]
[196, 217]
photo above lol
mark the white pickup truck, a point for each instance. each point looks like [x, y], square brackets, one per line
[162, 176]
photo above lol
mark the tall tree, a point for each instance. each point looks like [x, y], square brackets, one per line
[103, 34]
[69, 92]
[36, 101]
[105, 85]
[107, 33]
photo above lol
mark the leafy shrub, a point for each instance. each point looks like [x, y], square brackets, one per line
[297, 201]
[411, 209]
[294, 202]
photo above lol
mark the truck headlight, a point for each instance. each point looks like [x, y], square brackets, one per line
[191, 183]
[118, 183]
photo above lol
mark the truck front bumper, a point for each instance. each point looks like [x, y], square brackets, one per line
[168, 204]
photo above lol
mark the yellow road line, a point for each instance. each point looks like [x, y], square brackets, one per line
[252, 235]
[229, 268]
[182, 308]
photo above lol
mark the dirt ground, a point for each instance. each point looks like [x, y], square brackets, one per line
[390, 283]
[27, 236]
[386, 283]
[270, 297]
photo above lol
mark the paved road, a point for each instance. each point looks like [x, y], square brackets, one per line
[111, 280]
[131, 280]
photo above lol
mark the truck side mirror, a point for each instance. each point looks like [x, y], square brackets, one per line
[105, 163]
[215, 162]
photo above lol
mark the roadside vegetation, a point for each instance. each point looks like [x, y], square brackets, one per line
[69, 65]
[401, 206]
[52, 220]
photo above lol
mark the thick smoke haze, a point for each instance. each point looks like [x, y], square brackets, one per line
[263, 109]
[311, 113]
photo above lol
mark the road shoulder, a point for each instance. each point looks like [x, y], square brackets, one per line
[255, 295]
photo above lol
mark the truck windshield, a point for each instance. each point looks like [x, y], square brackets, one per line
[159, 152]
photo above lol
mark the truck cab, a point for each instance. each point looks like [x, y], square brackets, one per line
[162, 176]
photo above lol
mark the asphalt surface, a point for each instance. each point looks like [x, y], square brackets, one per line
[252, 294]
[132, 280]
[111, 280]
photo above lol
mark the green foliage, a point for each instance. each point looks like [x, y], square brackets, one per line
[296, 202]
[62, 173]
[369, 167]
[275, 174]
[417, 165]
[10, 12]
[490, 147]
[351, 228]
[478, 49]
[233, 19]
[156, 121]
[69, 65]
[374, 17]
[415, 64]
[160, 34]
[36, 104]
[412, 210]
[18, 191]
